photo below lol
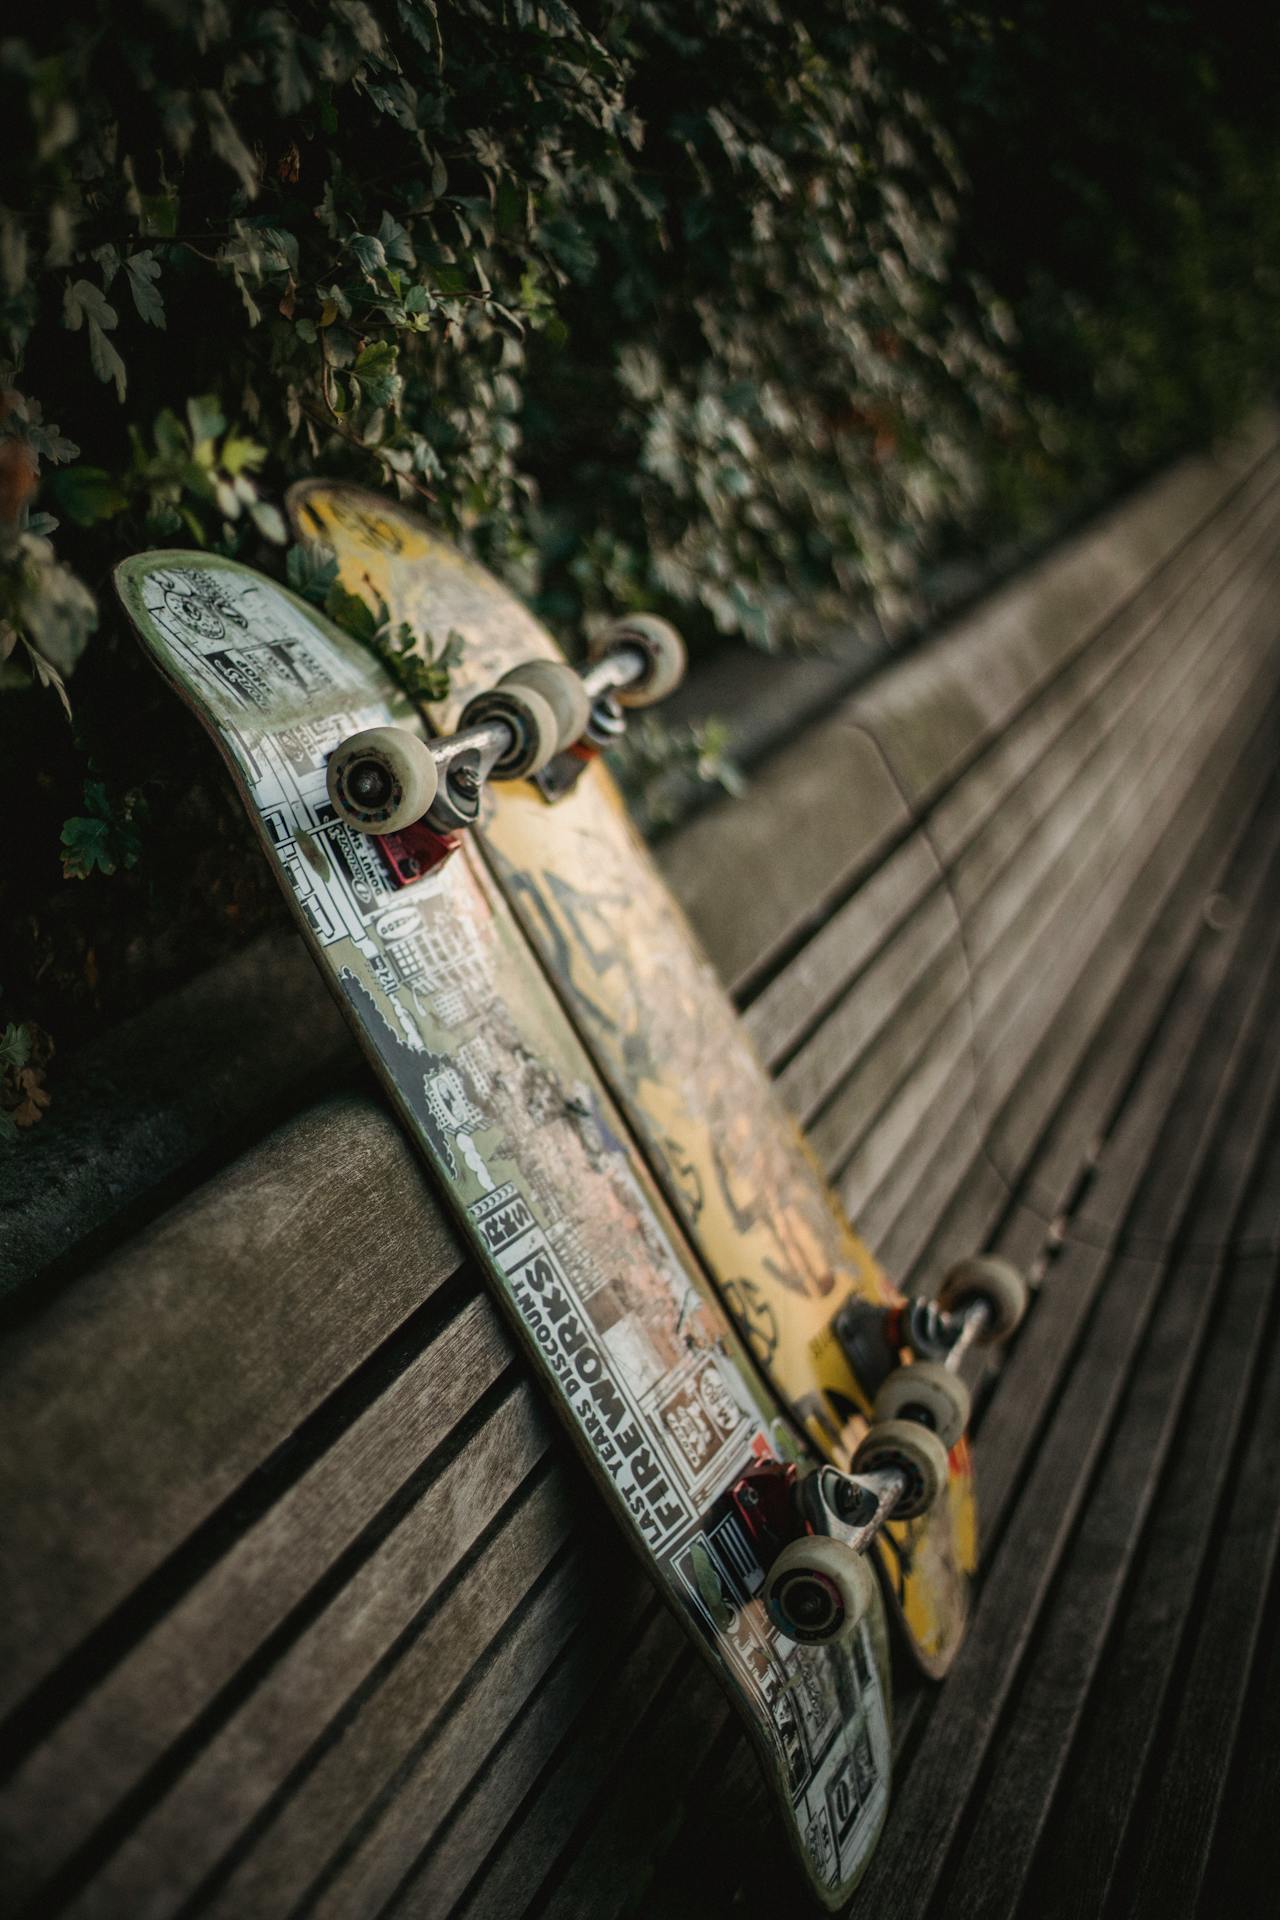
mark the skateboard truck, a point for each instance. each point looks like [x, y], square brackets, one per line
[812, 1526]
[387, 781]
[980, 1303]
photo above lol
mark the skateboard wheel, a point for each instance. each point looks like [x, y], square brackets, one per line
[531, 719]
[928, 1393]
[818, 1589]
[909, 1449]
[662, 647]
[563, 692]
[997, 1283]
[381, 780]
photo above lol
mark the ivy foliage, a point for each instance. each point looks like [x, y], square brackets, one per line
[733, 308]
[727, 229]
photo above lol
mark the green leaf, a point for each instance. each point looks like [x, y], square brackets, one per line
[311, 572]
[87, 495]
[368, 252]
[87, 848]
[105, 838]
[144, 270]
[206, 418]
[105, 361]
[83, 301]
[396, 244]
[15, 1046]
[269, 521]
[376, 368]
[227, 143]
[354, 615]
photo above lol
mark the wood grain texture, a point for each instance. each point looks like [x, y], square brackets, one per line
[148, 1394]
[313, 1612]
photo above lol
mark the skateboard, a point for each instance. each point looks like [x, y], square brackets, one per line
[504, 1104]
[812, 1304]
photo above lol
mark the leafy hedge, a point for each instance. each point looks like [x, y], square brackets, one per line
[735, 307]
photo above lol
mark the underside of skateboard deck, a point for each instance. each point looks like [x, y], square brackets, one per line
[496, 1090]
[657, 1022]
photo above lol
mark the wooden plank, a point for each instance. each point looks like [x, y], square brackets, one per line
[163, 1099]
[1047, 807]
[123, 1462]
[944, 702]
[394, 1866]
[1044, 974]
[997, 964]
[907, 1166]
[910, 985]
[811, 981]
[1178, 597]
[1125, 1730]
[1049, 1127]
[756, 874]
[275, 1720]
[607, 1870]
[524, 1857]
[787, 1008]
[464, 1673]
[906, 1871]
[152, 1698]
[1008, 1428]
[1031, 1749]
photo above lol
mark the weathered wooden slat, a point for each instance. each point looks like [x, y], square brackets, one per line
[1075, 1111]
[1065, 942]
[811, 985]
[1143, 1664]
[1009, 1427]
[1159, 619]
[608, 1869]
[166, 1097]
[1033, 1741]
[150, 1393]
[756, 873]
[1172, 1842]
[812, 820]
[996, 961]
[155, 1694]
[483, 1641]
[946, 701]
[905, 1874]
[428, 1880]
[1054, 853]
[256, 1740]
[1047, 1129]
[527, 1852]
[899, 1181]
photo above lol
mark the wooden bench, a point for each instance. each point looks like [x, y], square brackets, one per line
[309, 1608]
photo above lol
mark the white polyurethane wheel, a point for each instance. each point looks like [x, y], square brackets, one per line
[381, 780]
[662, 647]
[912, 1450]
[818, 1590]
[997, 1283]
[928, 1393]
[563, 692]
[532, 721]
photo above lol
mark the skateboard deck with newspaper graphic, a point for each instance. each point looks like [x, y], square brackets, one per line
[497, 1093]
[661, 1029]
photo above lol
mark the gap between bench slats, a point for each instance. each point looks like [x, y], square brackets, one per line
[958, 1730]
[829, 963]
[885, 1175]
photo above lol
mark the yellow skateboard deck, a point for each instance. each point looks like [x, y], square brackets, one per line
[659, 1025]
